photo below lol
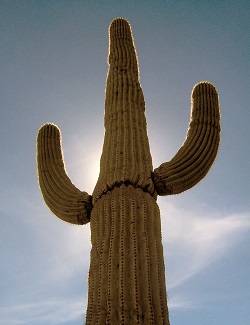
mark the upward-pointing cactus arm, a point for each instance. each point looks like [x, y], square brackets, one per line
[194, 159]
[65, 200]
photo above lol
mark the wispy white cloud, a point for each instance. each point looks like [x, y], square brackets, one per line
[43, 312]
[193, 241]
[47, 259]
[180, 302]
[59, 268]
[67, 247]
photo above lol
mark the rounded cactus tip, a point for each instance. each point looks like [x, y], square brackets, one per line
[120, 20]
[119, 23]
[203, 87]
[204, 84]
[49, 130]
[49, 124]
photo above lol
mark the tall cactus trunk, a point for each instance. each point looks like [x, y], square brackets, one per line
[126, 278]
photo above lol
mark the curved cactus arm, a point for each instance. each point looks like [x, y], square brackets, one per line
[65, 200]
[194, 159]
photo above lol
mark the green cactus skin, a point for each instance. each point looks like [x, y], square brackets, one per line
[127, 274]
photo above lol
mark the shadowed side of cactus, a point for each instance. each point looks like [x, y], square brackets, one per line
[61, 196]
[127, 276]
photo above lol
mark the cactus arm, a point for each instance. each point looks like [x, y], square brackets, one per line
[65, 200]
[195, 158]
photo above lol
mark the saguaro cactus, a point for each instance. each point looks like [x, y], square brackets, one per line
[127, 277]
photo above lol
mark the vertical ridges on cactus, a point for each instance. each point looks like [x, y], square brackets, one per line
[61, 196]
[126, 155]
[195, 158]
[122, 54]
[127, 257]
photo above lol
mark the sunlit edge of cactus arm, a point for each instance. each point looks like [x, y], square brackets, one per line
[195, 158]
[65, 200]
[202, 114]
[191, 176]
[199, 160]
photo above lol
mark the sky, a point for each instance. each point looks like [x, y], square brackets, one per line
[53, 69]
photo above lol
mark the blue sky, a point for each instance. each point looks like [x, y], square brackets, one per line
[53, 69]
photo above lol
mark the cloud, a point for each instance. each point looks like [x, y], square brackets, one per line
[63, 246]
[180, 302]
[193, 241]
[44, 312]
[43, 259]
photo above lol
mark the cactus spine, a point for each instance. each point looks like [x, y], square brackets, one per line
[127, 276]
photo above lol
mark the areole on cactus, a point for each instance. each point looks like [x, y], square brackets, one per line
[127, 275]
